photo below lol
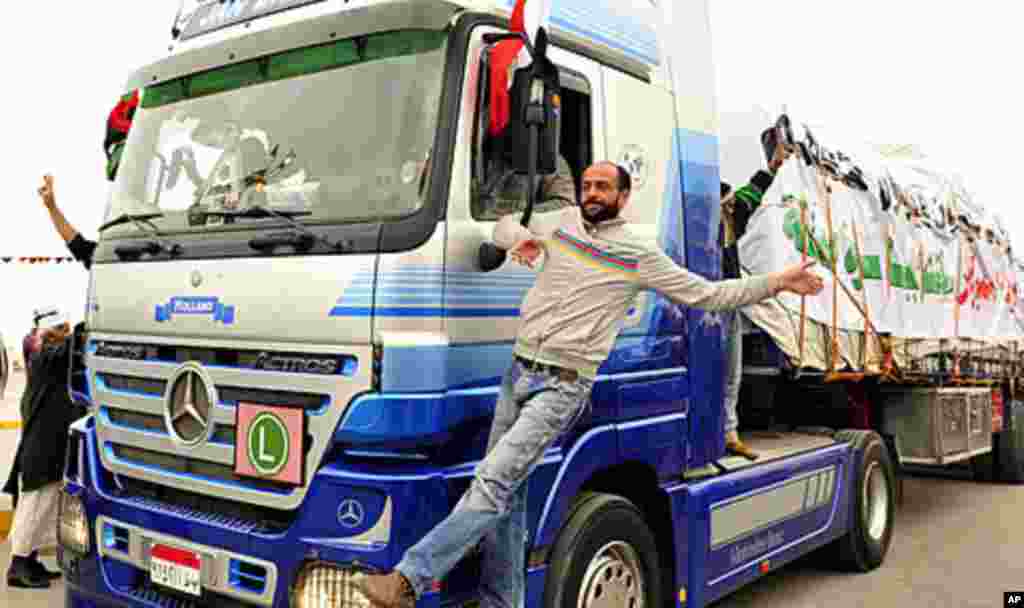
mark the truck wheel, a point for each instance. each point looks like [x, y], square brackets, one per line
[873, 503]
[983, 467]
[605, 557]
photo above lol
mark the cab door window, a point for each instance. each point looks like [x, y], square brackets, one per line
[497, 189]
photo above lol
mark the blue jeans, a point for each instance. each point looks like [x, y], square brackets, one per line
[734, 368]
[534, 409]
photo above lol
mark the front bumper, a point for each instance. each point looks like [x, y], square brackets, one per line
[242, 564]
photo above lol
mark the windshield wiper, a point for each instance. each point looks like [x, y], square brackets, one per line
[304, 240]
[143, 221]
[124, 218]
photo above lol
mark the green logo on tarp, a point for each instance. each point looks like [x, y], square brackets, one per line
[268, 444]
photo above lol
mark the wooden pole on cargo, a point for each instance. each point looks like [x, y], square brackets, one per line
[847, 291]
[825, 188]
[864, 294]
[921, 257]
[803, 299]
[956, 308]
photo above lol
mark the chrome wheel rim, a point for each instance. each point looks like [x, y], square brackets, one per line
[613, 579]
[875, 502]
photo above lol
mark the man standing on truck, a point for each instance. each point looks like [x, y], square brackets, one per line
[593, 270]
[737, 208]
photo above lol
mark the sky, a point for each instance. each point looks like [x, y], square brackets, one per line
[940, 75]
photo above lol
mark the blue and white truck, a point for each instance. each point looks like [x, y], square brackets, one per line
[293, 354]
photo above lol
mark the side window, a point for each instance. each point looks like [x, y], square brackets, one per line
[497, 190]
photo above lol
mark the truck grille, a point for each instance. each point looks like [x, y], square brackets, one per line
[229, 395]
[193, 467]
[241, 518]
[135, 442]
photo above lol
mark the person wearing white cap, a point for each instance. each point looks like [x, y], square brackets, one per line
[46, 413]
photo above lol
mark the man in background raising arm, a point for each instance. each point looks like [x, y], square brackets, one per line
[80, 247]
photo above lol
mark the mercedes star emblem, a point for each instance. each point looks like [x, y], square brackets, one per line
[351, 513]
[197, 278]
[189, 400]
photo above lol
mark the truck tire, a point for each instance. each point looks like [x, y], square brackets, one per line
[605, 556]
[1010, 447]
[983, 467]
[873, 505]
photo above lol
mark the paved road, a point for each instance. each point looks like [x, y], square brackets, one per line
[957, 545]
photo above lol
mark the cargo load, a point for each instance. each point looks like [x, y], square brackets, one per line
[920, 277]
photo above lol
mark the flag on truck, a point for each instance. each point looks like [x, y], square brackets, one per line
[119, 122]
[528, 16]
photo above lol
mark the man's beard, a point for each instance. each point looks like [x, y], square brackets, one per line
[606, 213]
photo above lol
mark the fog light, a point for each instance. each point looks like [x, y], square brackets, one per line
[73, 525]
[323, 585]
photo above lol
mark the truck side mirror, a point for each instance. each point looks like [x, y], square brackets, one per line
[535, 101]
[530, 141]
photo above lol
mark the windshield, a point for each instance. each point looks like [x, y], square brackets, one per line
[329, 134]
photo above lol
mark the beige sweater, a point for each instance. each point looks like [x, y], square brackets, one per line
[590, 278]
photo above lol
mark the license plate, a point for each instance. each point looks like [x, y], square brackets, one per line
[176, 569]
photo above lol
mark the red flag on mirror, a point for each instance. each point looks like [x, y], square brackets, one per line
[528, 16]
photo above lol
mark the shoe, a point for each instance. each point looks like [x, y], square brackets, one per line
[387, 590]
[21, 575]
[737, 447]
[40, 569]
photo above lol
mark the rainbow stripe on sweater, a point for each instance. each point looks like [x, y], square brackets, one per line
[594, 256]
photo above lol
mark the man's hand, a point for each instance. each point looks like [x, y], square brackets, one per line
[729, 202]
[46, 192]
[800, 280]
[779, 156]
[526, 252]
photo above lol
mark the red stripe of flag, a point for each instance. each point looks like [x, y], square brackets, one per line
[504, 55]
[181, 557]
[119, 119]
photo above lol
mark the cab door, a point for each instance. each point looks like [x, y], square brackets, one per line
[651, 352]
[482, 309]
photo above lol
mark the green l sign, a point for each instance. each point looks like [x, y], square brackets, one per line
[268, 443]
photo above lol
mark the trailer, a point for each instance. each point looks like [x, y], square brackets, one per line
[293, 347]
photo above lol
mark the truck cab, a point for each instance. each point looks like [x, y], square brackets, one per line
[293, 354]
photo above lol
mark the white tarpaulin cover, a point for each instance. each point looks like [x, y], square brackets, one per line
[919, 277]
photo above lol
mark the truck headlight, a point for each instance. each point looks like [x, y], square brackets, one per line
[323, 585]
[73, 525]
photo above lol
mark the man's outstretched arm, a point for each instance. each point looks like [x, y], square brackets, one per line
[661, 274]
